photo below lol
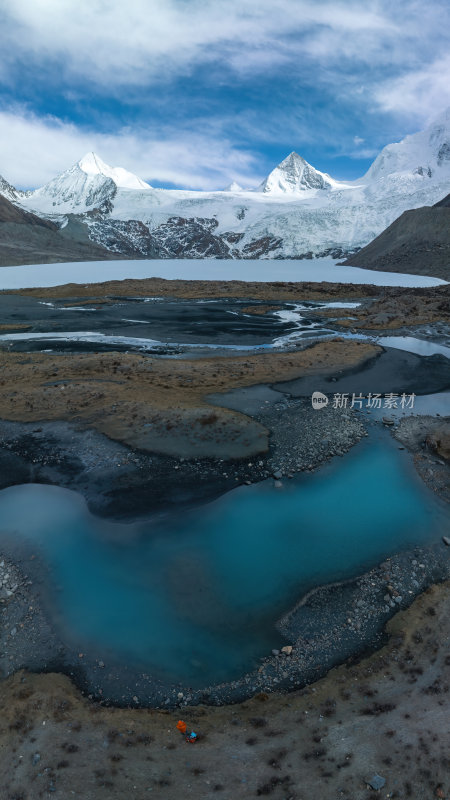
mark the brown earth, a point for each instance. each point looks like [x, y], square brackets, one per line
[157, 404]
[387, 715]
[260, 309]
[16, 327]
[396, 308]
[191, 289]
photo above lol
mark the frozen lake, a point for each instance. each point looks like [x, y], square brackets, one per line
[319, 269]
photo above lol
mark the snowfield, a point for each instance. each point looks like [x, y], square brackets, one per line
[317, 270]
[297, 212]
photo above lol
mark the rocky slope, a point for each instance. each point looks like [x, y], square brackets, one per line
[26, 238]
[418, 242]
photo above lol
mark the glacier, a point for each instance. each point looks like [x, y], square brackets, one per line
[296, 212]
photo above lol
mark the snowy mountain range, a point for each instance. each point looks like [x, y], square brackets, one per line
[296, 212]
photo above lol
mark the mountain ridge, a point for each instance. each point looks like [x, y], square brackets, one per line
[296, 212]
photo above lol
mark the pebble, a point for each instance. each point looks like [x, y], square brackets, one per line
[377, 782]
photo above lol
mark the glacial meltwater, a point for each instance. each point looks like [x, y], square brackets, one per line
[194, 597]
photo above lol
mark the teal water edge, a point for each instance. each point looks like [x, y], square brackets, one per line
[195, 597]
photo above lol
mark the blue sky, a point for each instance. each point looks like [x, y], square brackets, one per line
[197, 93]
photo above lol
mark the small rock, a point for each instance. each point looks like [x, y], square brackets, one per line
[287, 649]
[277, 474]
[278, 485]
[101, 664]
[446, 540]
[398, 599]
[388, 421]
[13, 631]
[36, 758]
[377, 782]
[275, 652]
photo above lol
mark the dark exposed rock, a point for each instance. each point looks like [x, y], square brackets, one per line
[12, 213]
[260, 247]
[191, 238]
[130, 238]
[418, 242]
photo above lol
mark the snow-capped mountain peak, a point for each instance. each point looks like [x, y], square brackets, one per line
[92, 164]
[234, 187]
[293, 175]
[426, 154]
[89, 184]
[296, 212]
[7, 190]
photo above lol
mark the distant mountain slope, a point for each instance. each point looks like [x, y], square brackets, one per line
[12, 213]
[28, 239]
[417, 242]
[444, 203]
[297, 211]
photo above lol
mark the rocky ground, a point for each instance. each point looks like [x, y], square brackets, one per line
[82, 421]
[156, 404]
[428, 438]
[373, 729]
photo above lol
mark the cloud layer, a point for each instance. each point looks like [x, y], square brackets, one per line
[199, 92]
[186, 160]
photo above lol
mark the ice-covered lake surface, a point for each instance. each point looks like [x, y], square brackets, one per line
[194, 597]
[319, 269]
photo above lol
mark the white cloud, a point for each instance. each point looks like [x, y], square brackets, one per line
[420, 94]
[357, 140]
[115, 43]
[35, 149]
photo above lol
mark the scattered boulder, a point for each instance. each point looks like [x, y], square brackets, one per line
[439, 441]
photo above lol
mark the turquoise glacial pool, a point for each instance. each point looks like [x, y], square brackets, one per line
[194, 597]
